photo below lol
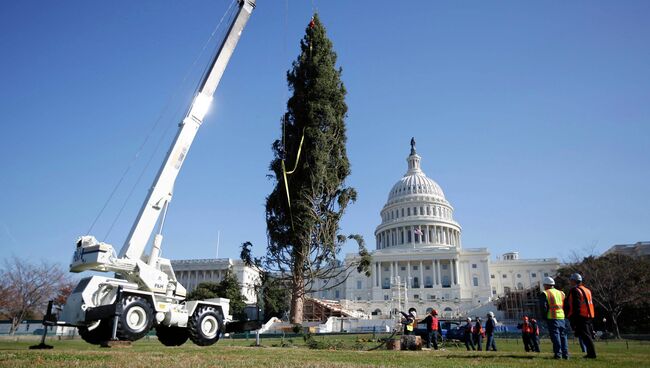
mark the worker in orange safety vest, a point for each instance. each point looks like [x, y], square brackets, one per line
[526, 331]
[433, 328]
[534, 335]
[579, 309]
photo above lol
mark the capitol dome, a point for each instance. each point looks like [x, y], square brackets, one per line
[417, 214]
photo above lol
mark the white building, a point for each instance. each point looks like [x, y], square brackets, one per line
[191, 272]
[638, 249]
[419, 244]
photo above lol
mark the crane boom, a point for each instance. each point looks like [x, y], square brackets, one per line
[160, 193]
[145, 292]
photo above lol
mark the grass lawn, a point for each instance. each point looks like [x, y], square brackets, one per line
[239, 353]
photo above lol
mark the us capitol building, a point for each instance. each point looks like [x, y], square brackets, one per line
[420, 260]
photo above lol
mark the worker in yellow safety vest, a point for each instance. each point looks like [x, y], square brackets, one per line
[409, 321]
[552, 303]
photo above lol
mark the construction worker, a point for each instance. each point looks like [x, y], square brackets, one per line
[490, 324]
[469, 339]
[433, 326]
[534, 335]
[579, 309]
[477, 334]
[552, 304]
[526, 331]
[409, 321]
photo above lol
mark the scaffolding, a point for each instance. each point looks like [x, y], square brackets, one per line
[518, 303]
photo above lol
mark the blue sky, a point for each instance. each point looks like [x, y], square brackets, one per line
[534, 117]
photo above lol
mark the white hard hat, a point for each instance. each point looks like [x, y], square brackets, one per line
[490, 314]
[548, 280]
[469, 319]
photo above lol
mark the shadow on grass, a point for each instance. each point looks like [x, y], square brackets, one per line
[513, 356]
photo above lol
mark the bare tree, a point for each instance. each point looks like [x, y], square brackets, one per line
[26, 288]
[615, 280]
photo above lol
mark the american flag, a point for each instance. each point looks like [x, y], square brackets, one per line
[418, 232]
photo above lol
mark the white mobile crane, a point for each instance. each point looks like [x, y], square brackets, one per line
[145, 293]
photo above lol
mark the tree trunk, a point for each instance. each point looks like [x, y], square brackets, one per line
[297, 295]
[15, 322]
[616, 331]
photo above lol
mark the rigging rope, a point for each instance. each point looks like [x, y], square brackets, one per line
[285, 172]
[153, 128]
[384, 341]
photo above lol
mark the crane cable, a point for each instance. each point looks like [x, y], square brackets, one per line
[149, 135]
[169, 126]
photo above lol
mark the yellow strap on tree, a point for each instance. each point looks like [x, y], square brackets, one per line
[285, 173]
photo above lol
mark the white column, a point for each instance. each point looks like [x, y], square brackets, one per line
[376, 274]
[421, 276]
[456, 271]
[486, 274]
[408, 274]
[392, 273]
[439, 272]
[433, 273]
[426, 234]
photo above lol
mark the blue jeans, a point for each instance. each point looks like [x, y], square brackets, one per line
[583, 347]
[490, 343]
[557, 331]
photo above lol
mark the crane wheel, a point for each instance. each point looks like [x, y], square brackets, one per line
[136, 319]
[96, 333]
[205, 326]
[172, 336]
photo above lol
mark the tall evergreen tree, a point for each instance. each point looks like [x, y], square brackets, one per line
[303, 213]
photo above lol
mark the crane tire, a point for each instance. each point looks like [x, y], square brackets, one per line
[96, 334]
[205, 325]
[136, 319]
[171, 335]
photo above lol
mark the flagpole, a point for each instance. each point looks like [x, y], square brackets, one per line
[218, 239]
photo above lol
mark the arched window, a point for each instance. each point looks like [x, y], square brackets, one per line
[448, 311]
